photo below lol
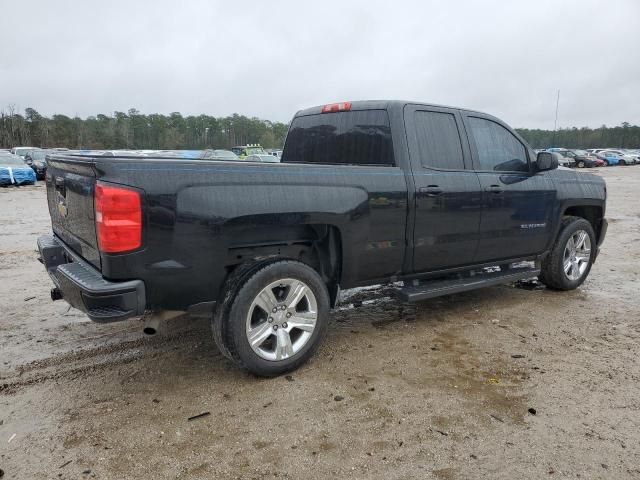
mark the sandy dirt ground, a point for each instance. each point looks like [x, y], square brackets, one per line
[500, 383]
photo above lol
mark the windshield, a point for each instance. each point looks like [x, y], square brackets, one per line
[254, 150]
[11, 160]
[37, 155]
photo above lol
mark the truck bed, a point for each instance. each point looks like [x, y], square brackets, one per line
[201, 217]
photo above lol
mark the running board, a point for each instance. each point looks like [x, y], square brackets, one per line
[437, 288]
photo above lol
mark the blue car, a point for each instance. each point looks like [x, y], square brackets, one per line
[13, 171]
[609, 157]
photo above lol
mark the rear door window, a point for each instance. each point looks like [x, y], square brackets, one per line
[498, 149]
[361, 137]
[438, 140]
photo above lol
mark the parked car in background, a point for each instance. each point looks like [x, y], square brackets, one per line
[219, 155]
[627, 158]
[245, 150]
[22, 151]
[583, 159]
[634, 153]
[562, 155]
[36, 159]
[13, 171]
[264, 158]
[276, 153]
[623, 158]
[609, 157]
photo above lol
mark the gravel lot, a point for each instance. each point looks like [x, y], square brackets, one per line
[506, 382]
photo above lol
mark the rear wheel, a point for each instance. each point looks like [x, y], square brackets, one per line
[581, 164]
[275, 320]
[569, 262]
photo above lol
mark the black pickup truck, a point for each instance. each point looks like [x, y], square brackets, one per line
[441, 199]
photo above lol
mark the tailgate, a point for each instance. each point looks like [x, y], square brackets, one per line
[70, 188]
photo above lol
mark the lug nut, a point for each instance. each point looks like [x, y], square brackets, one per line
[274, 310]
[270, 319]
[284, 325]
[283, 307]
[288, 314]
[275, 327]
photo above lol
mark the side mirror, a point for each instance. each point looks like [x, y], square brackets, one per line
[546, 161]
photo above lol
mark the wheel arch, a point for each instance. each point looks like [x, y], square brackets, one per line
[316, 245]
[592, 213]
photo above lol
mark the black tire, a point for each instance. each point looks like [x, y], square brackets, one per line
[581, 164]
[229, 321]
[622, 162]
[552, 272]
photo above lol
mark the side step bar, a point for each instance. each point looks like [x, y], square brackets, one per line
[438, 288]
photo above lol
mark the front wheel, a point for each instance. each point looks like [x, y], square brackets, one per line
[275, 320]
[581, 164]
[569, 262]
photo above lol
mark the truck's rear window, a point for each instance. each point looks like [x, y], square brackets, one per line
[361, 137]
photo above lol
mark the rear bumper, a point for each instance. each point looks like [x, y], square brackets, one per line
[84, 288]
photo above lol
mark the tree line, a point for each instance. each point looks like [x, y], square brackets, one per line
[134, 130]
[622, 136]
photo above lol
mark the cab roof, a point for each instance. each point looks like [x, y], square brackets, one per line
[379, 105]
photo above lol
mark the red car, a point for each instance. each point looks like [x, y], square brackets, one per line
[598, 162]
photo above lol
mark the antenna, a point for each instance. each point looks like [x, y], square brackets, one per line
[555, 124]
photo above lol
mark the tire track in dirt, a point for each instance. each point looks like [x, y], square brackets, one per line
[72, 364]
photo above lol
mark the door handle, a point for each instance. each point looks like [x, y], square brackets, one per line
[494, 189]
[431, 190]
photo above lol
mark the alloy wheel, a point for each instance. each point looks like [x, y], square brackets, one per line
[577, 255]
[281, 319]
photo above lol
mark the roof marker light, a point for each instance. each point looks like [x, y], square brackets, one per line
[336, 107]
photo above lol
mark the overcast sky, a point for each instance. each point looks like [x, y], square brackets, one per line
[270, 58]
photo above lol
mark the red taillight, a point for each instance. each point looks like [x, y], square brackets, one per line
[336, 107]
[118, 219]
